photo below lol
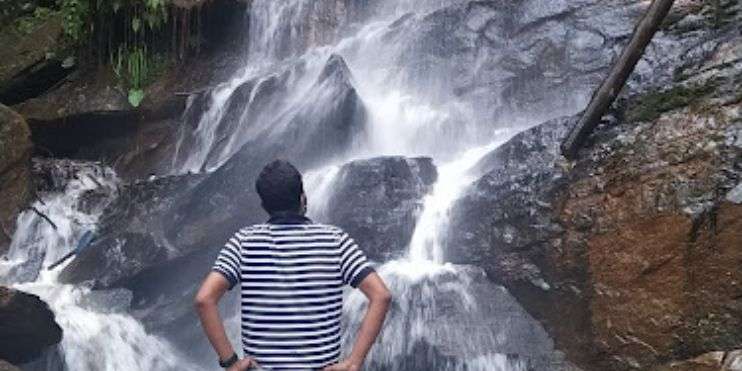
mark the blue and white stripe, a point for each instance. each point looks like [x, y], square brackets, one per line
[291, 280]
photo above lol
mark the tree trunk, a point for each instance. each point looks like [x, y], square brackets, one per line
[617, 76]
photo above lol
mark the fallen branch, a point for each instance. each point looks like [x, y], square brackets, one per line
[43, 216]
[95, 181]
[617, 76]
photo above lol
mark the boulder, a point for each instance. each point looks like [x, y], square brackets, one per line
[32, 61]
[629, 256]
[27, 326]
[250, 106]
[324, 125]
[452, 330]
[130, 237]
[377, 202]
[15, 171]
[5, 366]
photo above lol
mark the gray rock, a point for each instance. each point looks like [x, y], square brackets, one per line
[27, 326]
[511, 196]
[15, 167]
[733, 360]
[305, 135]
[130, 237]
[735, 195]
[377, 201]
[458, 330]
[5, 366]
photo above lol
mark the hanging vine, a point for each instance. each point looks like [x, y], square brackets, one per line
[133, 37]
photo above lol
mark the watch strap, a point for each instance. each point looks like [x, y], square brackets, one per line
[229, 361]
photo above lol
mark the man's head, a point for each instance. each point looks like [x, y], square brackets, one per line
[280, 187]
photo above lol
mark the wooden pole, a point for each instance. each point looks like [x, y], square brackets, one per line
[617, 76]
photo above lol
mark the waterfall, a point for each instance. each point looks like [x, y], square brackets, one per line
[427, 242]
[98, 334]
[439, 317]
[444, 317]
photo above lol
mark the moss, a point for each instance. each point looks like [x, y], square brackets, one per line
[25, 25]
[650, 106]
[715, 14]
[721, 13]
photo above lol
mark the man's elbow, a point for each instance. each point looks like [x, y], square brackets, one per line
[384, 298]
[202, 301]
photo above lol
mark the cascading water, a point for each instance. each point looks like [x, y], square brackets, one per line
[98, 334]
[393, 59]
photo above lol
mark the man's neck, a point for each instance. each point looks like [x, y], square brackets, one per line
[288, 217]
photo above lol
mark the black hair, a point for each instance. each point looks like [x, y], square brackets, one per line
[280, 187]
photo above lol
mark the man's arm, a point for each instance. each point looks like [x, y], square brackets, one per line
[379, 299]
[206, 303]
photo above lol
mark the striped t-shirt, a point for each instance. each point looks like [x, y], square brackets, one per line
[291, 274]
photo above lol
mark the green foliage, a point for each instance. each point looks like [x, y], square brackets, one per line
[132, 37]
[26, 24]
[134, 69]
[75, 19]
[135, 97]
[121, 29]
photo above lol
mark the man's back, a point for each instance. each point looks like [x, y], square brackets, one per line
[291, 274]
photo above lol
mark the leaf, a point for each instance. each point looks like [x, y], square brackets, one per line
[136, 96]
[136, 23]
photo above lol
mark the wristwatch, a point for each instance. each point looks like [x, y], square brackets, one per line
[227, 363]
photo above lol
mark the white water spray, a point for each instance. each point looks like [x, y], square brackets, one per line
[98, 335]
[427, 241]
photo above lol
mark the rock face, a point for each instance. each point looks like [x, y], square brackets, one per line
[305, 135]
[27, 326]
[711, 361]
[15, 171]
[130, 237]
[32, 62]
[377, 201]
[298, 28]
[528, 53]
[459, 331]
[631, 255]
[5, 366]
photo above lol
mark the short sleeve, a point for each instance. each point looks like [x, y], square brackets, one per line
[354, 266]
[228, 261]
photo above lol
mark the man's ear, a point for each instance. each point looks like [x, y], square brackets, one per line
[303, 203]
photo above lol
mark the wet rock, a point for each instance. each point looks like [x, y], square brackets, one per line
[735, 195]
[459, 331]
[310, 25]
[306, 136]
[15, 171]
[27, 326]
[130, 237]
[633, 245]
[251, 107]
[31, 63]
[5, 366]
[711, 361]
[528, 53]
[377, 202]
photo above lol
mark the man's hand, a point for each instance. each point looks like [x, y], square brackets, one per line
[345, 365]
[243, 364]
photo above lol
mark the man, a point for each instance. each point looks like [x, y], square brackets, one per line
[291, 274]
